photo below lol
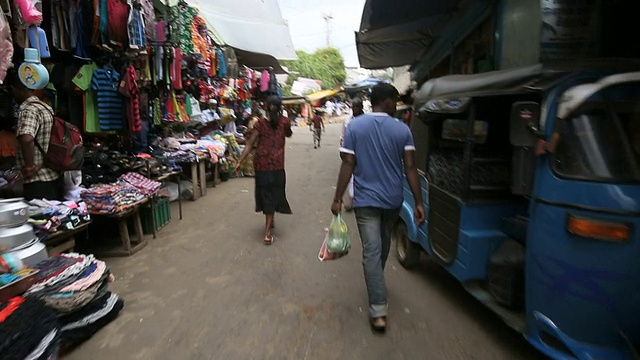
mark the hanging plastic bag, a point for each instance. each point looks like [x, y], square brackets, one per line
[337, 241]
[28, 13]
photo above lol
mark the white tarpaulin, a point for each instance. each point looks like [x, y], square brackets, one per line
[304, 86]
[251, 25]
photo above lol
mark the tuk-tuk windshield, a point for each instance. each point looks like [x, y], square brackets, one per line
[601, 140]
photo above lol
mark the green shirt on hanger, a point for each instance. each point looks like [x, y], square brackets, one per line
[83, 81]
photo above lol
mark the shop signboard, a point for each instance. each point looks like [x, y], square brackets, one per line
[570, 29]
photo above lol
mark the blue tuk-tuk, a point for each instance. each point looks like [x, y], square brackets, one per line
[531, 184]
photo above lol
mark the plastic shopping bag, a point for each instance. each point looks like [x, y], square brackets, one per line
[337, 241]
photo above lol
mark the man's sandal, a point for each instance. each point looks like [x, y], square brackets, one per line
[268, 240]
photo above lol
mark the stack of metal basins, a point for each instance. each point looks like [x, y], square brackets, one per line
[16, 236]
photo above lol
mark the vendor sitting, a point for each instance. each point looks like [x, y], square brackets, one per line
[212, 113]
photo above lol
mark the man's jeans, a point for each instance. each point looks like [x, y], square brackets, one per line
[375, 226]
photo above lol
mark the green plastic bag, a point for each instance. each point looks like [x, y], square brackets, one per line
[338, 241]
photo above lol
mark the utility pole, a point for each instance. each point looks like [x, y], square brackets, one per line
[327, 18]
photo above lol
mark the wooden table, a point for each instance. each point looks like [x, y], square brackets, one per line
[128, 247]
[64, 240]
[198, 177]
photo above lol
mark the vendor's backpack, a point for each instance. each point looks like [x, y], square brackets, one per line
[65, 151]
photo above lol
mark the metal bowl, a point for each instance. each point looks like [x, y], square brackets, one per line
[15, 237]
[33, 255]
[13, 212]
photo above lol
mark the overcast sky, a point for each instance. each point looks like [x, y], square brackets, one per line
[308, 28]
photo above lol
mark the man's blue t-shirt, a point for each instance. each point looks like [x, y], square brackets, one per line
[378, 141]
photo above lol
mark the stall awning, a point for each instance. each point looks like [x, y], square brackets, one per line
[395, 34]
[316, 96]
[254, 60]
[250, 25]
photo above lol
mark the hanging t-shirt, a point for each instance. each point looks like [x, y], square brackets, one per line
[130, 90]
[105, 82]
[135, 27]
[83, 81]
[118, 18]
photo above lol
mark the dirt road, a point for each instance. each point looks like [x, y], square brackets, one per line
[207, 288]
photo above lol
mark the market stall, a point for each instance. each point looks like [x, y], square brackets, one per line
[48, 301]
[157, 104]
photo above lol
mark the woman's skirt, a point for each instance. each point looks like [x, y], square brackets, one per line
[270, 192]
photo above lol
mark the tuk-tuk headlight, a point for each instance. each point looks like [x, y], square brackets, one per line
[598, 229]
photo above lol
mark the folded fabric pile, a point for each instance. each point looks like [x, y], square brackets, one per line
[142, 183]
[111, 198]
[180, 156]
[29, 330]
[214, 145]
[51, 215]
[75, 286]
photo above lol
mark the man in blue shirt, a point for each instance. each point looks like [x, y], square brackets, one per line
[376, 148]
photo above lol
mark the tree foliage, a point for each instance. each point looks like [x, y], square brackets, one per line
[326, 65]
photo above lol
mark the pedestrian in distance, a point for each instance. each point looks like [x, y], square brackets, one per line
[268, 136]
[317, 127]
[376, 148]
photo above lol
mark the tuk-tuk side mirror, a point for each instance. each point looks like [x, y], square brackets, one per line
[524, 122]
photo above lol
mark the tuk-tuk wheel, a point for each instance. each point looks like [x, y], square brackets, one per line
[407, 250]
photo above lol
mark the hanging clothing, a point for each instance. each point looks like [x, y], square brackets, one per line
[199, 41]
[273, 83]
[118, 19]
[81, 30]
[95, 31]
[149, 16]
[212, 63]
[231, 62]
[264, 81]
[157, 111]
[105, 82]
[159, 50]
[59, 34]
[6, 47]
[72, 25]
[82, 81]
[130, 90]
[182, 18]
[135, 27]
[176, 69]
[222, 64]
[104, 25]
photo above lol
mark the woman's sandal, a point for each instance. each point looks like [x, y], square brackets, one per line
[379, 324]
[268, 240]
